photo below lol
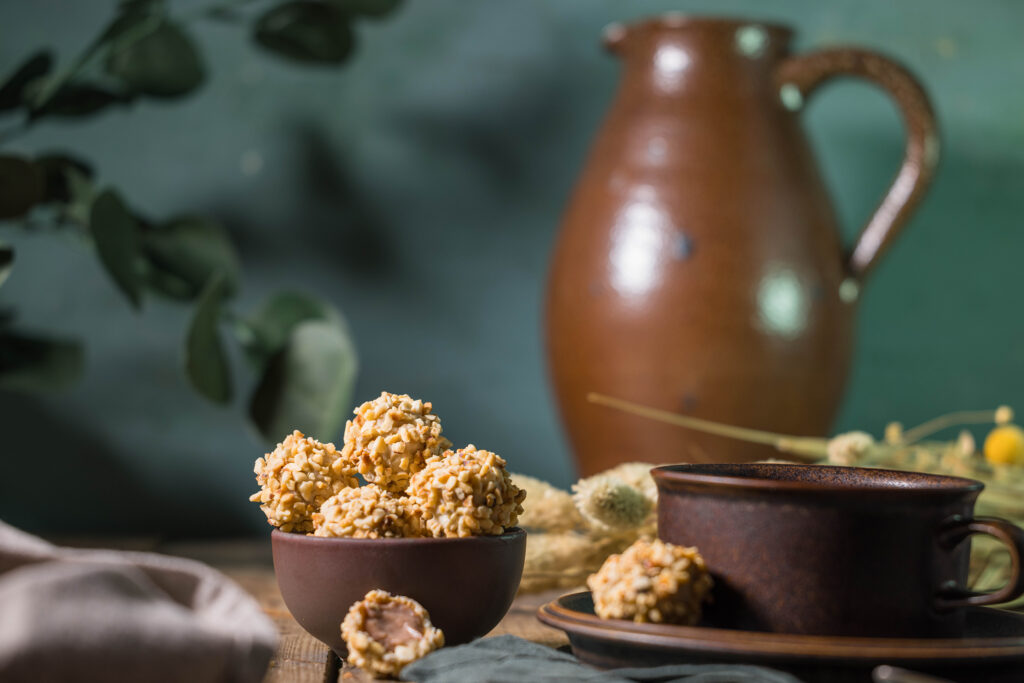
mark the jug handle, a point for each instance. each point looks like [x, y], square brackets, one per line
[800, 75]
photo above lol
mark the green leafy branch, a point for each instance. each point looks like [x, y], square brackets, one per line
[298, 345]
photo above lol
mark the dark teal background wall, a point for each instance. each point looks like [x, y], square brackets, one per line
[420, 189]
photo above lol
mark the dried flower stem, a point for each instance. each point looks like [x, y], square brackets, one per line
[963, 417]
[808, 449]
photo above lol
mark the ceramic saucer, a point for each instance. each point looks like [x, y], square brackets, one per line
[990, 651]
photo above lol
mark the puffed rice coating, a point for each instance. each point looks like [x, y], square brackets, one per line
[384, 633]
[366, 512]
[297, 477]
[652, 581]
[465, 493]
[391, 438]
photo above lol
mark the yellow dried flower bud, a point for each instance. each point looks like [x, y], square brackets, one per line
[1004, 445]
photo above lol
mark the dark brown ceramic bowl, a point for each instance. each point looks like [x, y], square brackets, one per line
[466, 584]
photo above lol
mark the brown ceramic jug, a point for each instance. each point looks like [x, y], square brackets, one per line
[699, 268]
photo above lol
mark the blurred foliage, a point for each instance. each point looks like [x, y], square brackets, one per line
[306, 31]
[298, 345]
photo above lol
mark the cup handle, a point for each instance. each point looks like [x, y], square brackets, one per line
[798, 76]
[956, 531]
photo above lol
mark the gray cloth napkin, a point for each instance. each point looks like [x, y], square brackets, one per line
[104, 615]
[508, 659]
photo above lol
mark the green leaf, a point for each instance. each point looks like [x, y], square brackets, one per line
[81, 194]
[21, 186]
[129, 6]
[307, 385]
[267, 331]
[74, 99]
[12, 93]
[184, 253]
[306, 31]
[229, 12]
[206, 363]
[6, 261]
[116, 233]
[132, 20]
[37, 363]
[58, 171]
[368, 8]
[162, 62]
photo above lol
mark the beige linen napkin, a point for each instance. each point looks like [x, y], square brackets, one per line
[105, 615]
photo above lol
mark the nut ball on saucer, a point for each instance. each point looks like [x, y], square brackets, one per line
[297, 477]
[391, 438]
[466, 492]
[652, 581]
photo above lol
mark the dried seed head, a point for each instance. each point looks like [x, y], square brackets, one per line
[551, 509]
[607, 502]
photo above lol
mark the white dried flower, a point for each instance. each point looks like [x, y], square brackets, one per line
[847, 449]
[965, 443]
[894, 433]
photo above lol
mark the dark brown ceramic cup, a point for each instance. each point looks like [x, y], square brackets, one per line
[466, 584]
[832, 550]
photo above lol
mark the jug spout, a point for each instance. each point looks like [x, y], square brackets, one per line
[670, 52]
[751, 37]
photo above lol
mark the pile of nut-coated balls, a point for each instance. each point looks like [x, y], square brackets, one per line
[415, 484]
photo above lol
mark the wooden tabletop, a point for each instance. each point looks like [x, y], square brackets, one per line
[301, 658]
